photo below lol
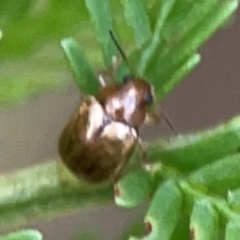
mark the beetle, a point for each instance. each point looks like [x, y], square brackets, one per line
[101, 135]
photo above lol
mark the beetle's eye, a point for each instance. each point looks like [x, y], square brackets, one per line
[128, 78]
[148, 98]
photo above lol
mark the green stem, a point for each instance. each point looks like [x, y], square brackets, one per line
[191, 151]
[49, 189]
[42, 190]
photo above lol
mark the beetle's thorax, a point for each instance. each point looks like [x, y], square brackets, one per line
[126, 102]
[122, 106]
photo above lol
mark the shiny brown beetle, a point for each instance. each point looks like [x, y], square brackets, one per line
[101, 135]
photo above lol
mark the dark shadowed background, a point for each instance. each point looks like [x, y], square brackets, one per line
[209, 95]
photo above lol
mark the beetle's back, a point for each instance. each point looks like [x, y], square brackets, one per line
[100, 155]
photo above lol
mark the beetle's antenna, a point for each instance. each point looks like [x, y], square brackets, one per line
[118, 46]
[169, 122]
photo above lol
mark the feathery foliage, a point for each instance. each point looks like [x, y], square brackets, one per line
[193, 185]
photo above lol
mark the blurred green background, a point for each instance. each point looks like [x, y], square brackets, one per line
[37, 95]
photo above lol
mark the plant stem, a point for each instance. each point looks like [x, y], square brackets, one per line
[49, 189]
[44, 189]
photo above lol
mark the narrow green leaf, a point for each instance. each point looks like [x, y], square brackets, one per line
[234, 199]
[137, 18]
[219, 176]
[185, 16]
[85, 78]
[192, 151]
[14, 12]
[217, 203]
[102, 18]
[136, 229]
[164, 212]
[44, 191]
[203, 221]
[150, 49]
[153, 12]
[163, 66]
[179, 74]
[214, 19]
[134, 188]
[233, 229]
[23, 235]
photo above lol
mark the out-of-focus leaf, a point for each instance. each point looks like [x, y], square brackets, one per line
[204, 221]
[165, 64]
[185, 16]
[102, 19]
[137, 18]
[83, 73]
[164, 212]
[234, 199]
[135, 229]
[195, 150]
[219, 176]
[233, 229]
[19, 90]
[23, 235]
[180, 73]
[18, 9]
[29, 25]
[150, 49]
[134, 188]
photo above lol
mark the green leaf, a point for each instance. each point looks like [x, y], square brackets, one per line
[44, 191]
[12, 90]
[137, 18]
[165, 64]
[102, 19]
[38, 24]
[219, 176]
[135, 228]
[23, 235]
[86, 236]
[233, 229]
[234, 199]
[180, 73]
[150, 49]
[185, 16]
[18, 9]
[204, 221]
[194, 150]
[84, 76]
[164, 211]
[134, 188]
